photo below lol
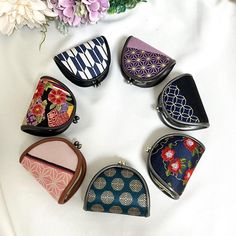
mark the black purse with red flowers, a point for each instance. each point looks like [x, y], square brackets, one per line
[52, 109]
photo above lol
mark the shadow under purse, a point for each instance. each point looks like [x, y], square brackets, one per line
[52, 109]
[180, 106]
[171, 162]
[118, 189]
[86, 64]
[57, 165]
[143, 65]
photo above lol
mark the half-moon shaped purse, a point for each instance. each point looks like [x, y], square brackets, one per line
[86, 64]
[57, 165]
[118, 189]
[171, 162]
[143, 65]
[52, 109]
[180, 106]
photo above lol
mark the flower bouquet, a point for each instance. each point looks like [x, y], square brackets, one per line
[65, 13]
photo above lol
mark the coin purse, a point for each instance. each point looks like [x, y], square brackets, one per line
[143, 65]
[118, 189]
[57, 165]
[180, 106]
[171, 162]
[86, 64]
[52, 109]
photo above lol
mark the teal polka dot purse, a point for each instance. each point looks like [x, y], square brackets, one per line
[118, 189]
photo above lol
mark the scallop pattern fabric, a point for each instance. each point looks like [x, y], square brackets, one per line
[118, 190]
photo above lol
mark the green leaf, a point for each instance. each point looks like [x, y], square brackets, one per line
[180, 171]
[168, 173]
[183, 160]
[193, 153]
[170, 145]
[39, 119]
[197, 151]
[44, 103]
[47, 86]
[58, 107]
[189, 164]
[52, 106]
[68, 99]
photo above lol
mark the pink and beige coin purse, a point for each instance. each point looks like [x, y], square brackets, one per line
[57, 164]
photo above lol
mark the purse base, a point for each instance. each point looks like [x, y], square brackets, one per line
[44, 131]
[174, 124]
[165, 188]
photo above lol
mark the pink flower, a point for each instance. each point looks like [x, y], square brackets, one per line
[96, 9]
[66, 10]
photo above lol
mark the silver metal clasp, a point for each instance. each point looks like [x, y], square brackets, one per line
[121, 163]
[76, 119]
[77, 144]
[96, 84]
[148, 149]
[129, 81]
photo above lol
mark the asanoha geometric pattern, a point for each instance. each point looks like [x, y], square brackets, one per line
[177, 106]
[88, 60]
[53, 179]
[117, 190]
[143, 64]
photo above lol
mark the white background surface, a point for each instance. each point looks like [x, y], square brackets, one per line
[118, 122]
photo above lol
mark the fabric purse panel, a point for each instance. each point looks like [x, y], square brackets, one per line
[182, 101]
[53, 106]
[118, 190]
[143, 63]
[55, 164]
[87, 61]
[172, 160]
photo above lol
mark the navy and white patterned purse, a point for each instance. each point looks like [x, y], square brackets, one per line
[86, 64]
[180, 106]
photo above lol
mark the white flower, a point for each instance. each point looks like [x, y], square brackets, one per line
[16, 13]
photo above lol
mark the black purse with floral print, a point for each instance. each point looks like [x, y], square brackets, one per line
[52, 109]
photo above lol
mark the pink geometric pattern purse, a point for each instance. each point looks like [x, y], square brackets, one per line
[57, 165]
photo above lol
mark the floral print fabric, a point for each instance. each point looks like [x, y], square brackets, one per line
[52, 105]
[174, 159]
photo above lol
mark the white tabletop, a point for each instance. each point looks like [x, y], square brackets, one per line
[118, 122]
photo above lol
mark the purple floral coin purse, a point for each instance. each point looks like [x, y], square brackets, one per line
[143, 65]
[51, 110]
[171, 162]
[86, 64]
